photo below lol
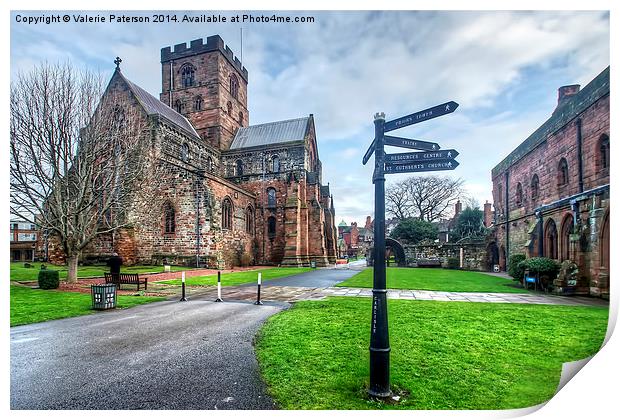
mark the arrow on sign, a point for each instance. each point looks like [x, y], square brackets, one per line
[369, 153]
[428, 166]
[418, 117]
[414, 157]
[411, 143]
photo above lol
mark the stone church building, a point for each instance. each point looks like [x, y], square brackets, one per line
[551, 194]
[230, 193]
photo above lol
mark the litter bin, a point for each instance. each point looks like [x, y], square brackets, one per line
[312, 264]
[103, 295]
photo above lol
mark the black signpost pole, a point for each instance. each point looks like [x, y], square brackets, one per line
[379, 336]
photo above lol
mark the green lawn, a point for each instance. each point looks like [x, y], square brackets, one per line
[436, 279]
[240, 277]
[20, 273]
[445, 355]
[35, 305]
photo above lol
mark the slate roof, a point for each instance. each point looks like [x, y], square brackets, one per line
[154, 106]
[573, 106]
[271, 133]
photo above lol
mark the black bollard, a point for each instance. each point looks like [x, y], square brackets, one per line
[219, 287]
[183, 298]
[258, 301]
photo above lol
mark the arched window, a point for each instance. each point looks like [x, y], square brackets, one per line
[249, 220]
[209, 164]
[562, 172]
[551, 240]
[499, 197]
[534, 187]
[118, 118]
[229, 108]
[178, 106]
[227, 211]
[275, 164]
[239, 167]
[271, 227]
[241, 118]
[198, 103]
[271, 197]
[234, 86]
[184, 155]
[169, 218]
[603, 150]
[187, 75]
[567, 229]
[519, 195]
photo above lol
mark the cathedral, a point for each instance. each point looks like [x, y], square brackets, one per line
[231, 193]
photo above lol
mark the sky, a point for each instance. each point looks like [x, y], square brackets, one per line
[502, 67]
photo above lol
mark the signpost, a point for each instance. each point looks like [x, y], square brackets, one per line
[430, 158]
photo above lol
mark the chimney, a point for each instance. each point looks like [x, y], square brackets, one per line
[566, 92]
[457, 208]
[368, 224]
[487, 214]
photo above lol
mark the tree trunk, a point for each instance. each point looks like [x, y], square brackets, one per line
[72, 269]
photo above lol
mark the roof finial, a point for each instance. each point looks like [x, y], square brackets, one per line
[118, 62]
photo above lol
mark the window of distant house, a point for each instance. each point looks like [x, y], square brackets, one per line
[271, 227]
[519, 195]
[169, 218]
[198, 103]
[234, 86]
[275, 163]
[187, 75]
[178, 106]
[562, 172]
[271, 197]
[603, 150]
[227, 210]
[185, 152]
[534, 187]
[249, 220]
[239, 167]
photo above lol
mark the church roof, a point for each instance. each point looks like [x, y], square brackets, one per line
[271, 133]
[154, 106]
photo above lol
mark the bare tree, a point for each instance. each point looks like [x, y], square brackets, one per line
[428, 198]
[76, 158]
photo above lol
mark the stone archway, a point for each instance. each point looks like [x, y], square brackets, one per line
[395, 248]
[492, 255]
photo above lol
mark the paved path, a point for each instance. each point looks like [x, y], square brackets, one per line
[166, 355]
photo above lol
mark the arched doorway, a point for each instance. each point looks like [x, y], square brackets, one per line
[492, 255]
[393, 247]
[551, 240]
[502, 258]
[566, 231]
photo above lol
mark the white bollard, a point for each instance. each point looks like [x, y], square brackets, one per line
[219, 288]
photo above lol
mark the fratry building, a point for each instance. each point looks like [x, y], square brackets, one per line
[230, 192]
[551, 194]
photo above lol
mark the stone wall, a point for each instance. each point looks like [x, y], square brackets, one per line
[475, 256]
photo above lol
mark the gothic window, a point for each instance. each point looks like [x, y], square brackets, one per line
[275, 163]
[271, 197]
[249, 220]
[239, 167]
[187, 75]
[567, 229]
[241, 118]
[499, 197]
[178, 106]
[169, 218]
[229, 108]
[209, 164]
[519, 197]
[603, 149]
[563, 172]
[118, 118]
[184, 155]
[551, 240]
[198, 103]
[271, 227]
[227, 211]
[234, 86]
[534, 187]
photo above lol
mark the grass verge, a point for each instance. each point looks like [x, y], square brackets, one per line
[21, 273]
[34, 305]
[239, 277]
[436, 279]
[445, 355]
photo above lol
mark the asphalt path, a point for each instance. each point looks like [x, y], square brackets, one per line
[166, 355]
[321, 277]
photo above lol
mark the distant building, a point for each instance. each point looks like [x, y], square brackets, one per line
[551, 194]
[24, 238]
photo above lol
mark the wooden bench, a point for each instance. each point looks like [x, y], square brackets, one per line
[428, 263]
[125, 278]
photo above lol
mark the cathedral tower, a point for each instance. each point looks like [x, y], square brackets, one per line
[208, 85]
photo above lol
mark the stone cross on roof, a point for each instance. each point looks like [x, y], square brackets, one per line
[118, 62]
